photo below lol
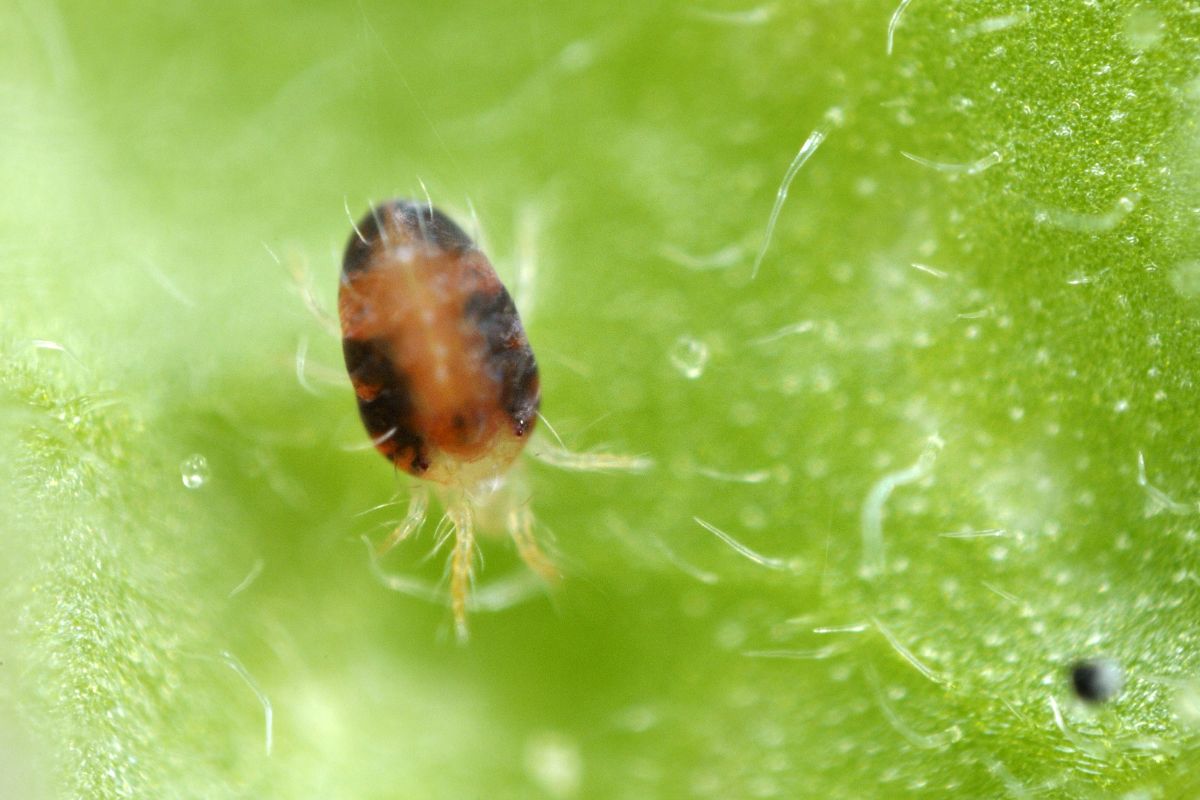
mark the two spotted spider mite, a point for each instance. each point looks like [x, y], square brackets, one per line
[446, 382]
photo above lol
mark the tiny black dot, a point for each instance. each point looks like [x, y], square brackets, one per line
[1097, 680]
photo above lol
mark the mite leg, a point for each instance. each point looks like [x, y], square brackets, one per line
[321, 375]
[520, 528]
[588, 462]
[302, 282]
[418, 503]
[461, 561]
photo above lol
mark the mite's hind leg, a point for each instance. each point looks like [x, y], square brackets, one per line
[302, 282]
[418, 504]
[520, 528]
[313, 376]
[461, 562]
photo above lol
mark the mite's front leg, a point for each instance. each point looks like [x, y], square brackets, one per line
[418, 504]
[461, 562]
[520, 528]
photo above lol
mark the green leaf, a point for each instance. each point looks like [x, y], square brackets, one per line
[901, 299]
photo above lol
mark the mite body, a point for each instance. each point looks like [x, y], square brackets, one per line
[446, 383]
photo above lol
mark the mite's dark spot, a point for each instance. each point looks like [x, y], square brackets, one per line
[509, 359]
[1097, 680]
[401, 220]
[425, 222]
[469, 428]
[522, 396]
[388, 414]
[459, 424]
[359, 248]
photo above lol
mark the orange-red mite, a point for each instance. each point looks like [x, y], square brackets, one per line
[446, 382]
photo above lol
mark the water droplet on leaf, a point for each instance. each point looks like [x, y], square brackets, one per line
[689, 356]
[194, 471]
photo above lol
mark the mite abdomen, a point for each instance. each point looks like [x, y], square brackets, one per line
[446, 382]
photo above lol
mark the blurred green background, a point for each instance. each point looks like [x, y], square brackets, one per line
[994, 244]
